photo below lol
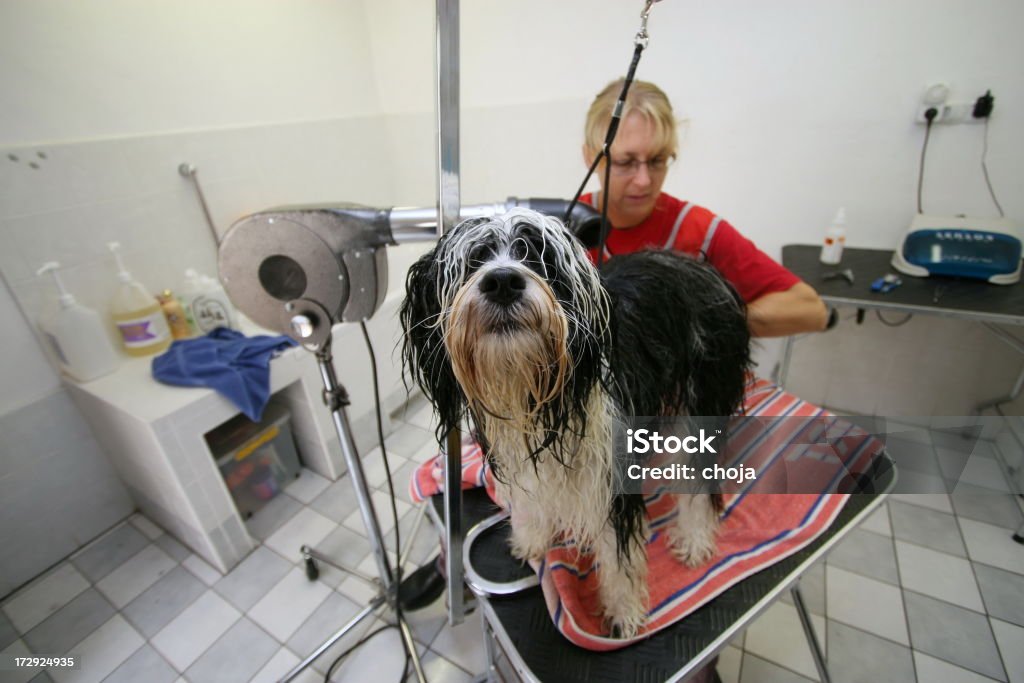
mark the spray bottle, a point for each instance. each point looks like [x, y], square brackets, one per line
[77, 335]
[137, 314]
[835, 239]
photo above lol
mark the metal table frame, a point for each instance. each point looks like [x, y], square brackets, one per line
[492, 624]
[975, 301]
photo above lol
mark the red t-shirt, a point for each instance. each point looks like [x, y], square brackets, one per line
[752, 272]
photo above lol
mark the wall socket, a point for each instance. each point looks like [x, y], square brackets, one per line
[949, 113]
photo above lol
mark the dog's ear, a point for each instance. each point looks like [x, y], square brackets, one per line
[424, 356]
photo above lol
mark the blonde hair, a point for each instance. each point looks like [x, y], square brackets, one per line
[643, 97]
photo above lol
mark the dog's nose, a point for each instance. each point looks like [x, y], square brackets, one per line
[502, 286]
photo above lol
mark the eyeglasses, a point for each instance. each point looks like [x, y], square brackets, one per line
[628, 167]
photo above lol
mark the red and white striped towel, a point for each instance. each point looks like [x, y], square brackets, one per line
[758, 529]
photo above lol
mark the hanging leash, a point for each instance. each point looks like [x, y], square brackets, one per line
[640, 42]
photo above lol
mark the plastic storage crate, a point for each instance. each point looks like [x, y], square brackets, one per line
[257, 460]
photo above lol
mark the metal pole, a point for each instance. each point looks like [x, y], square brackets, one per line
[447, 81]
[355, 469]
[812, 638]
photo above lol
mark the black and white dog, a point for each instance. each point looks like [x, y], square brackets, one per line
[508, 323]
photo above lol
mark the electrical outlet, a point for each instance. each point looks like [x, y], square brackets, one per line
[950, 113]
[924, 108]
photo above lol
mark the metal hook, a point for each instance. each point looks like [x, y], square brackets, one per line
[642, 37]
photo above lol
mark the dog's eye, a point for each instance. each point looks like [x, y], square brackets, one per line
[479, 255]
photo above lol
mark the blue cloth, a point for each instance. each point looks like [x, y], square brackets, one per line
[225, 360]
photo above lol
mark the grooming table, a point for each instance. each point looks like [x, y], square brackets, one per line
[524, 645]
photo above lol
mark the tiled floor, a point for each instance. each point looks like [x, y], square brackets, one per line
[930, 588]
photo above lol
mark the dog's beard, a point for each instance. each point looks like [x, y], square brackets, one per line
[511, 361]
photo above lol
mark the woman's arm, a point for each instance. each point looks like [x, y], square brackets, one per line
[796, 310]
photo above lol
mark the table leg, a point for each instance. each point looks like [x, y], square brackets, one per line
[812, 638]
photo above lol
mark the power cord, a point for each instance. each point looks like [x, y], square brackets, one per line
[984, 169]
[897, 323]
[929, 116]
[394, 515]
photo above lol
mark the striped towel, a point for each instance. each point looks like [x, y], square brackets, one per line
[757, 529]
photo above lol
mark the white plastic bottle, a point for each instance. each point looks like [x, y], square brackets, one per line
[77, 335]
[835, 239]
[137, 314]
[206, 303]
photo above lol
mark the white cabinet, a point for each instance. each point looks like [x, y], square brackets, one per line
[153, 434]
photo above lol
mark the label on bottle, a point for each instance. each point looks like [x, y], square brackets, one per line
[209, 313]
[142, 331]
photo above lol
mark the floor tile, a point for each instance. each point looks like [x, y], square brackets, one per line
[878, 521]
[855, 656]
[189, 634]
[163, 601]
[382, 505]
[1011, 644]
[44, 596]
[934, 501]
[307, 486]
[173, 547]
[992, 545]
[757, 670]
[984, 473]
[272, 516]
[145, 665]
[930, 528]
[288, 604]
[933, 670]
[426, 623]
[337, 501]
[778, 637]
[325, 621]
[109, 552]
[402, 477]
[407, 440]
[308, 527]
[420, 414]
[376, 475]
[283, 661]
[148, 529]
[984, 506]
[128, 581]
[19, 649]
[252, 578]
[868, 554]
[7, 632]
[71, 624]
[729, 662]
[938, 575]
[905, 431]
[953, 634]
[357, 590]
[867, 604]
[345, 547]
[237, 656]
[378, 659]
[437, 669]
[201, 569]
[463, 645]
[102, 652]
[1002, 591]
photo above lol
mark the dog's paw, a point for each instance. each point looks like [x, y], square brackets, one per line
[692, 548]
[625, 626]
